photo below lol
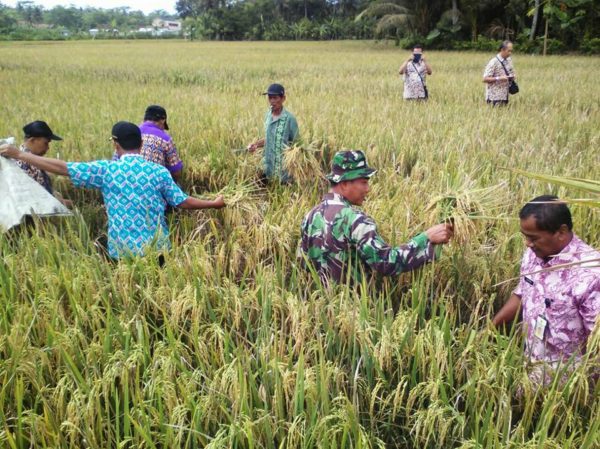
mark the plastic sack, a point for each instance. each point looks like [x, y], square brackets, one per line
[20, 195]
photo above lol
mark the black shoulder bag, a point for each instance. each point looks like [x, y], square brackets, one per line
[513, 87]
[422, 81]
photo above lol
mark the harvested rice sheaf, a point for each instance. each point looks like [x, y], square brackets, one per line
[467, 206]
[303, 163]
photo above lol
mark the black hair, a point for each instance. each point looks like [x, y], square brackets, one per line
[549, 212]
[503, 45]
[418, 46]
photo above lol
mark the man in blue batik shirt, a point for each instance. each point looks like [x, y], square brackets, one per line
[135, 191]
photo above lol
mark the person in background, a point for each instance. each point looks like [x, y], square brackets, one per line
[157, 144]
[498, 74]
[415, 69]
[558, 292]
[38, 136]
[135, 192]
[281, 129]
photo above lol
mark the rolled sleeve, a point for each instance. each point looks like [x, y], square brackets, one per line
[175, 168]
[87, 174]
[490, 69]
[172, 159]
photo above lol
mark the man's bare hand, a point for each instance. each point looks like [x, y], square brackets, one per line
[219, 202]
[441, 233]
[10, 151]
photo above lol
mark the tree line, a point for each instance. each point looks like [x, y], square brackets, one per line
[554, 25]
[28, 20]
[444, 24]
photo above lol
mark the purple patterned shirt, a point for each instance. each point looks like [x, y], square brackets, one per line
[566, 301]
[158, 147]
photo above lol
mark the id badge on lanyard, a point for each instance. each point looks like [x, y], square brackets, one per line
[541, 322]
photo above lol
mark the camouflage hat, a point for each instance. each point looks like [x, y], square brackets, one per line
[348, 166]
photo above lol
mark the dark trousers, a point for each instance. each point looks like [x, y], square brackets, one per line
[497, 102]
[101, 244]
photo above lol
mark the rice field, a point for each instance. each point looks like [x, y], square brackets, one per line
[229, 346]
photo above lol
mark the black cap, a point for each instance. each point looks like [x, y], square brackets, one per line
[128, 135]
[39, 129]
[155, 112]
[275, 89]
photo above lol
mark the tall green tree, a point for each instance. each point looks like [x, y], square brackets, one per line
[30, 12]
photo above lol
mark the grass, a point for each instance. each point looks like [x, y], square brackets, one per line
[227, 346]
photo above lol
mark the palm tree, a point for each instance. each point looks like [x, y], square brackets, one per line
[392, 17]
[414, 16]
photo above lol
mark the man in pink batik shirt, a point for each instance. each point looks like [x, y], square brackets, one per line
[561, 304]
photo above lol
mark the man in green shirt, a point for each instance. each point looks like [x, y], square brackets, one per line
[281, 129]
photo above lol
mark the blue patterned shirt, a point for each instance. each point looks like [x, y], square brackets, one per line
[135, 193]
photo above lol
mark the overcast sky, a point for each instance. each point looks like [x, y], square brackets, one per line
[143, 5]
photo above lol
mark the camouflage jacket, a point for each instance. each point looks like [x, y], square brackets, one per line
[340, 241]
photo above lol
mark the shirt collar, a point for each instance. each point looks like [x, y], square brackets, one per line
[499, 56]
[333, 196]
[283, 114]
[151, 124]
[567, 255]
[126, 155]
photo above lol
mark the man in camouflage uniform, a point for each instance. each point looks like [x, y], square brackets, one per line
[341, 242]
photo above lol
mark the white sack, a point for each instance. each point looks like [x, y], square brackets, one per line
[21, 195]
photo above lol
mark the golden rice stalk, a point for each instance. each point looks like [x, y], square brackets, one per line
[464, 206]
[245, 202]
[240, 194]
[303, 163]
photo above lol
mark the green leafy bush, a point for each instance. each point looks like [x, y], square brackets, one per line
[591, 46]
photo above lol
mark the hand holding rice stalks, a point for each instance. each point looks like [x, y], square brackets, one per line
[245, 197]
[463, 206]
